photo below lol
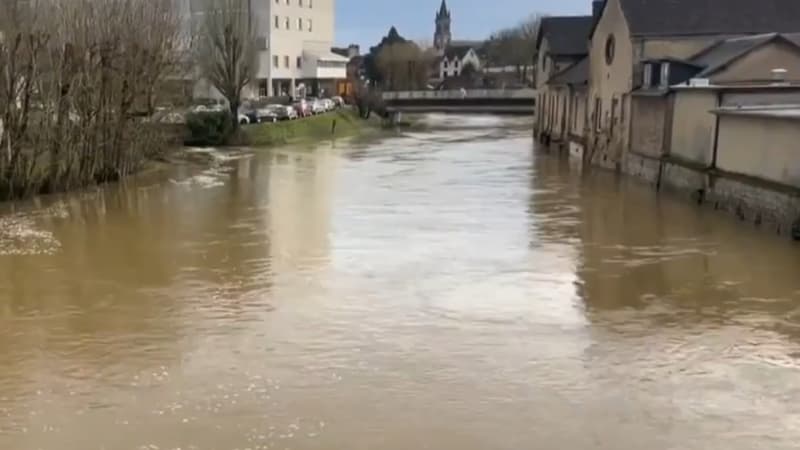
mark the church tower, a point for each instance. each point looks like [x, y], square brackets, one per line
[442, 37]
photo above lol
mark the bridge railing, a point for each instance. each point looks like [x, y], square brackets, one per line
[459, 95]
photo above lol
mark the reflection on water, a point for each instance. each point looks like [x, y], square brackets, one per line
[441, 289]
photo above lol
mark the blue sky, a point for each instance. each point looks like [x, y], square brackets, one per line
[364, 21]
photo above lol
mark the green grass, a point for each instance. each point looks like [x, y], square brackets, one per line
[315, 128]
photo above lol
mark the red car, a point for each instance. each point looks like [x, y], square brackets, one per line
[303, 108]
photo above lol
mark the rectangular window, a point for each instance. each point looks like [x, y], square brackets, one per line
[300, 24]
[299, 62]
[300, 2]
[286, 62]
[614, 104]
[277, 23]
[309, 25]
[275, 61]
[598, 115]
[288, 24]
[310, 3]
[648, 76]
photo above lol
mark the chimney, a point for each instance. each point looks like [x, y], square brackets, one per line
[597, 8]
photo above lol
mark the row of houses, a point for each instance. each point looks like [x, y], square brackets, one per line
[698, 96]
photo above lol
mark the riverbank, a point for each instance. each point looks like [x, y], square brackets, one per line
[336, 124]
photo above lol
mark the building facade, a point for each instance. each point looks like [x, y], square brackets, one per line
[294, 40]
[629, 32]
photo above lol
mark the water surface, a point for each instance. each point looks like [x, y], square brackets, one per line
[443, 289]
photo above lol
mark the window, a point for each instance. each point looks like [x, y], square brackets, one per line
[614, 104]
[457, 62]
[309, 24]
[277, 23]
[300, 24]
[299, 62]
[445, 64]
[648, 76]
[310, 3]
[287, 23]
[665, 74]
[287, 2]
[597, 113]
[286, 62]
[275, 61]
[610, 49]
[300, 2]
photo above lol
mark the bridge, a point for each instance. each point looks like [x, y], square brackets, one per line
[495, 101]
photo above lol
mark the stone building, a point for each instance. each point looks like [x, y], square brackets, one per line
[442, 36]
[630, 32]
[561, 73]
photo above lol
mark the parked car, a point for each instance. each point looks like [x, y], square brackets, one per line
[303, 108]
[328, 104]
[286, 112]
[268, 114]
[338, 100]
[243, 119]
[251, 114]
[317, 107]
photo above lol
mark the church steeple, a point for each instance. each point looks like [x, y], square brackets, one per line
[442, 37]
[443, 11]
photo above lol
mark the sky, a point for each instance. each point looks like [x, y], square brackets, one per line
[364, 22]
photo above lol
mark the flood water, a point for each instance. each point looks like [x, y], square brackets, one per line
[441, 289]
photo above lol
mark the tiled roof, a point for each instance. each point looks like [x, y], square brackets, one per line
[724, 52]
[456, 52]
[574, 75]
[566, 35]
[703, 17]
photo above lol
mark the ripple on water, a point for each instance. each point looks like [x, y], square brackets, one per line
[20, 235]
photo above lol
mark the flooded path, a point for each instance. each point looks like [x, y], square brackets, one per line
[445, 289]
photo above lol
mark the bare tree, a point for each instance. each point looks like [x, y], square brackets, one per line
[226, 49]
[404, 66]
[515, 46]
[78, 75]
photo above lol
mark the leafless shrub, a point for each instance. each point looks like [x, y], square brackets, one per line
[77, 80]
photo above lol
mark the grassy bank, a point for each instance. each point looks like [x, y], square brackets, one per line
[336, 124]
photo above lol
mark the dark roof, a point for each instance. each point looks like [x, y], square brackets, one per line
[341, 51]
[574, 75]
[566, 35]
[467, 43]
[703, 17]
[456, 51]
[724, 52]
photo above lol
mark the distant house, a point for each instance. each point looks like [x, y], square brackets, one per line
[455, 59]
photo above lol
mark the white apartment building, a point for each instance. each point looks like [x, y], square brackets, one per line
[294, 38]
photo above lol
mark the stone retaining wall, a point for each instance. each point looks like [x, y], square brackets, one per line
[775, 209]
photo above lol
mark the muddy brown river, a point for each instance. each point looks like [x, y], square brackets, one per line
[439, 289]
